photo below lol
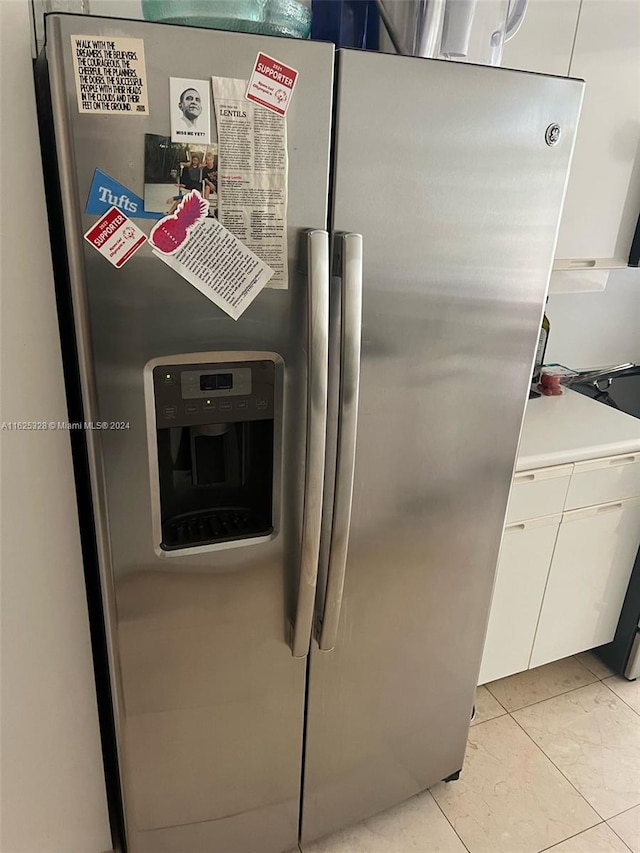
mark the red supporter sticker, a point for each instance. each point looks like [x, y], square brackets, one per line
[116, 237]
[271, 84]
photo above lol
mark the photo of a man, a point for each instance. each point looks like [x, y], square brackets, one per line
[190, 105]
[190, 114]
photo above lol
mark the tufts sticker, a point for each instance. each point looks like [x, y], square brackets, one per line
[106, 193]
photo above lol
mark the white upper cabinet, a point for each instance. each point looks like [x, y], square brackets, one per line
[545, 40]
[598, 41]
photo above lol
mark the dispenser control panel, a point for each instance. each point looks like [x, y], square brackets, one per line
[218, 382]
[193, 394]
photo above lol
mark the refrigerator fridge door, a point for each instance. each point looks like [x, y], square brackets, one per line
[444, 170]
[209, 697]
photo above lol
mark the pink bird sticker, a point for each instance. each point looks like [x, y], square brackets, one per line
[171, 233]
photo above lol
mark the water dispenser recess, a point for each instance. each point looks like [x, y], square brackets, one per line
[215, 441]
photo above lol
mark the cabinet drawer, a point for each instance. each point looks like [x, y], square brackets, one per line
[592, 562]
[522, 572]
[538, 493]
[612, 478]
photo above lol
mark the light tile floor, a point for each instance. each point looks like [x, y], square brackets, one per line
[553, 763]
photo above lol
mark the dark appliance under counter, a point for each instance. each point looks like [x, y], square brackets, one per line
[623, 653]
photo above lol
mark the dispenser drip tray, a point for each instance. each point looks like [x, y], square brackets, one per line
[211, 526]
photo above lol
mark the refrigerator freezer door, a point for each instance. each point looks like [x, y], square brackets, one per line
[445, 171]
[209, 697]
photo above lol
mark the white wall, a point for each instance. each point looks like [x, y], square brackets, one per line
[601, 328]
[52, 798]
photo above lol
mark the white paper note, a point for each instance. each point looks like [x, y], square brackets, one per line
[110, 75]
[220, 266]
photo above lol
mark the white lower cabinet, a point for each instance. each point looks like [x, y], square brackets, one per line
[540, 492]
[599, 481]
[565, 563]
[588, 579]
[525, 557]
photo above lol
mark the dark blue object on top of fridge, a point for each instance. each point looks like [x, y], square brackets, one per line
[347, 23]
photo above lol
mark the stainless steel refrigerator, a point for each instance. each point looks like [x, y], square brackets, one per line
[296, 590]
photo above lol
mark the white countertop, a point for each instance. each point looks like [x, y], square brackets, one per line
[572, 428]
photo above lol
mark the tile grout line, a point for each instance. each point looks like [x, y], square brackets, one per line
[596, 679]
[544, 754]
[575, 835]
[555, 696]
[624, 811]
[616, 834]
[486, 686]
[602, 819]
[613, 830]
[622, 841]
[573, 657]
[622, 700]
[593, 809]
[482, 722]
[599, 677]
[447, 819]
[578, 834]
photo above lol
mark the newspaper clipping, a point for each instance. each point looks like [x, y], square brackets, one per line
[252, 175]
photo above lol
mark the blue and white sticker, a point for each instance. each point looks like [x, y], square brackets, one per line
[106, 193]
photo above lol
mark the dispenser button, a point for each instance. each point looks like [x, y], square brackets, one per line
[225, 407]
[169, 411]
[242, 404]
[190, 409]
[208, 404]
[262, 404]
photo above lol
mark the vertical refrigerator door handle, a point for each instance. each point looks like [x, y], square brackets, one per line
[318, 367]
[346, 456]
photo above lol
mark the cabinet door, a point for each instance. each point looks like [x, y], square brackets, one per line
[590, 571]
[603, 194]
[522, 572]
[544, 41]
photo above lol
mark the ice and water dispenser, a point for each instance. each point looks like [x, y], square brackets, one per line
[214, 426]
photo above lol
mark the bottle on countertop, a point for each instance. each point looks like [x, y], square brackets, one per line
[543, 339]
